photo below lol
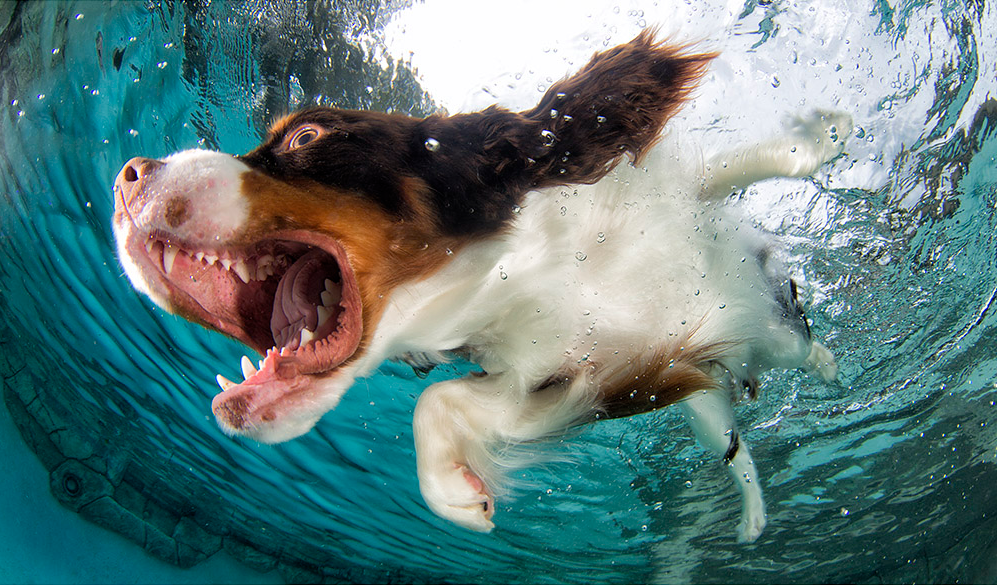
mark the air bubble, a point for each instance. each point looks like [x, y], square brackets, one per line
[580, 256]
[432, 144]
[688, 484]
[548, 138]
[600, 237]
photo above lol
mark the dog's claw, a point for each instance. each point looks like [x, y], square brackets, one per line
[461, 497]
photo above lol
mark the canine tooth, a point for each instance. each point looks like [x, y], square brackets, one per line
[148, 245]
[211, 259]
[169, 256]
[327, 299]
[329, 285]
[248, 369]
[306, 336]
[224, 382]
[226, 263]
[323, 315]
[242, 270]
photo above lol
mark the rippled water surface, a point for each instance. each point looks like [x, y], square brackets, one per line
[887, 474]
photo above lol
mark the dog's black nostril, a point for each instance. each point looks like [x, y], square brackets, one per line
[130, 174]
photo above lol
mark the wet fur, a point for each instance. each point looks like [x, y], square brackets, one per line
[583, 287]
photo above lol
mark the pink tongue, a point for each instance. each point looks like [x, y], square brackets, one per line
[298, 294]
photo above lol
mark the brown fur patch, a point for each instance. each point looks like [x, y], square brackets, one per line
[657, 378]
[177, 211]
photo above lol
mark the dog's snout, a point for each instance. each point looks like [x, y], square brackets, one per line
[139, 168]
[132, 177]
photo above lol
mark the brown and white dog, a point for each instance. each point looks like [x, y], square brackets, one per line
[583, 288]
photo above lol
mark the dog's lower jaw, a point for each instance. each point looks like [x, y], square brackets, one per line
[275, 410]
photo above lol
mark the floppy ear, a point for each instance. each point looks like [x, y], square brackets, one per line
[479, 165]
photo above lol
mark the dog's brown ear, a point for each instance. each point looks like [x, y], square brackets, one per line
[480, 165]
[616, 105]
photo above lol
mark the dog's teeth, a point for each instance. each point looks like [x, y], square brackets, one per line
[285, 351]
[199, 256]
[224, 383]
[323, 315]
[306, 336]
[265, 266]
[330, 286]
[148, 245]
[169, 256]
[226, 263]
[242, 270]
[211, 260]
[248, 369]
[328, 299]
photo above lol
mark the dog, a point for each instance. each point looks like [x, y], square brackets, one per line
[587, 270]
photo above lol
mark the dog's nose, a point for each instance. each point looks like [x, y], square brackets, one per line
[131, 179]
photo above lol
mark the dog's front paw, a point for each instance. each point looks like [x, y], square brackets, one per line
[460, 496]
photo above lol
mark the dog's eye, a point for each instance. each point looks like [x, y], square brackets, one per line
[302, 136]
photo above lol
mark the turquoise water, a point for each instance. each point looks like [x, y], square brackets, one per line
[887, 475]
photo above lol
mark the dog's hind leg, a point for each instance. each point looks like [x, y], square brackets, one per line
[711, 416]
[810, 143]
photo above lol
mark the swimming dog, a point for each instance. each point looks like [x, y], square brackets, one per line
[581, 287]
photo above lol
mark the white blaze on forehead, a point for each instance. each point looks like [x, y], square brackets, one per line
[207, 185]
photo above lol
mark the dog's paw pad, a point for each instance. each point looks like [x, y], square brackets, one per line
[461, 497]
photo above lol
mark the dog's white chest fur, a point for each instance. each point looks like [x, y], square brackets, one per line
[360, 236]
[597, 273]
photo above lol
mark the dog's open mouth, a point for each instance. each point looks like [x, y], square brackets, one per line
[292, 297]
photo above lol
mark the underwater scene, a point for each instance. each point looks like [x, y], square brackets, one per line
[115, 467]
